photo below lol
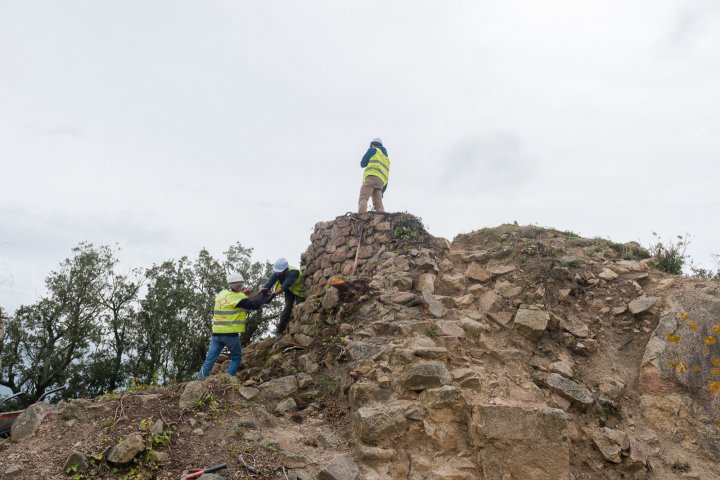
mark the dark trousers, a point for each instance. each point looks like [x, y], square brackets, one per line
[290, 300]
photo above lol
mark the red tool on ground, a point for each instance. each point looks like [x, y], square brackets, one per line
[197, 472]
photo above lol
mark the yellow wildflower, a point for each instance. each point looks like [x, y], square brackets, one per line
[672, 338]
[693, 326]
[710, 340]
[684, 315]
[714, 387]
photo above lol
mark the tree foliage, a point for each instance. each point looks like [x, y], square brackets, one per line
[97, 329]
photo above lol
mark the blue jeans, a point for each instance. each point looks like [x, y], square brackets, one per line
[217, 342]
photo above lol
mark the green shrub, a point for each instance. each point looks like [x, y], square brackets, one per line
[670, 257]
[706, 273]
[680, 466]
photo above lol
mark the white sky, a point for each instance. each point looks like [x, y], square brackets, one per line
[168, 126]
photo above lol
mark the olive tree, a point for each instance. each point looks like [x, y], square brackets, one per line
[44, 340]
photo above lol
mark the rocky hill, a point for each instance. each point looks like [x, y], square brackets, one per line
[509, 353]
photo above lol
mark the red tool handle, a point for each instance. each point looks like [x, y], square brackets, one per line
[199, 472]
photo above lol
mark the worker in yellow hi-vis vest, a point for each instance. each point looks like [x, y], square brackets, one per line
[289, 281]
[375, 177]
[229, 322]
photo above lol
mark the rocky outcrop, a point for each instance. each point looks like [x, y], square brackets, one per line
[510, 353]
[521, 442]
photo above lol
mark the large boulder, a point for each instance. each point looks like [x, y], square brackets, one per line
[341, 467]
[379, 425]
[426, 375]
[425, 281]
[331, 299]
[531, 323]
[29, 421]
[192, 395]
[521, 442]
[77, 462]
[683, 352]
[279, 388]
[366, 393]
[125, 450]
[74, 409]
[476, 272]
[611, 443]
[445, 404]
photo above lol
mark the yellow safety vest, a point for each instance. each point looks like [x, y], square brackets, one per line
[227, 317]
[298, 286]
[379, 166]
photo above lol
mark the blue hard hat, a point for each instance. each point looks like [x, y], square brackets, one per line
[280, 265]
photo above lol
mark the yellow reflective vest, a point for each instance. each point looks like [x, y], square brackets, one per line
[227, 318]
[298, 286]
[379, 166]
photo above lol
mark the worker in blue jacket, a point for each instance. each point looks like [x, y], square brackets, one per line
[289, 281]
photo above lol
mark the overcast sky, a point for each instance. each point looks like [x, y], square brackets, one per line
[169, 126]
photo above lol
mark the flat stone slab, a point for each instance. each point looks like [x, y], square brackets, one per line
[279, 388]
[426, 375]
[569, 389]
[642, 304]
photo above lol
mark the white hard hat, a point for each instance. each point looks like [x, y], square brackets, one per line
[376, 140]
[235, 278]
[280, 265]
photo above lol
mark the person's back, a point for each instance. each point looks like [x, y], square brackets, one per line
[375, 176]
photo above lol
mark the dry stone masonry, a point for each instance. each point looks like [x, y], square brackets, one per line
[335, 245]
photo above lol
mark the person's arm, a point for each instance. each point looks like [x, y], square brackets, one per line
[254, 303]
[271, 281]
[366, 158]
[291, 276]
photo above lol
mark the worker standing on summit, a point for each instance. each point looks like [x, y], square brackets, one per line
[375, 178]
[288, 280]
